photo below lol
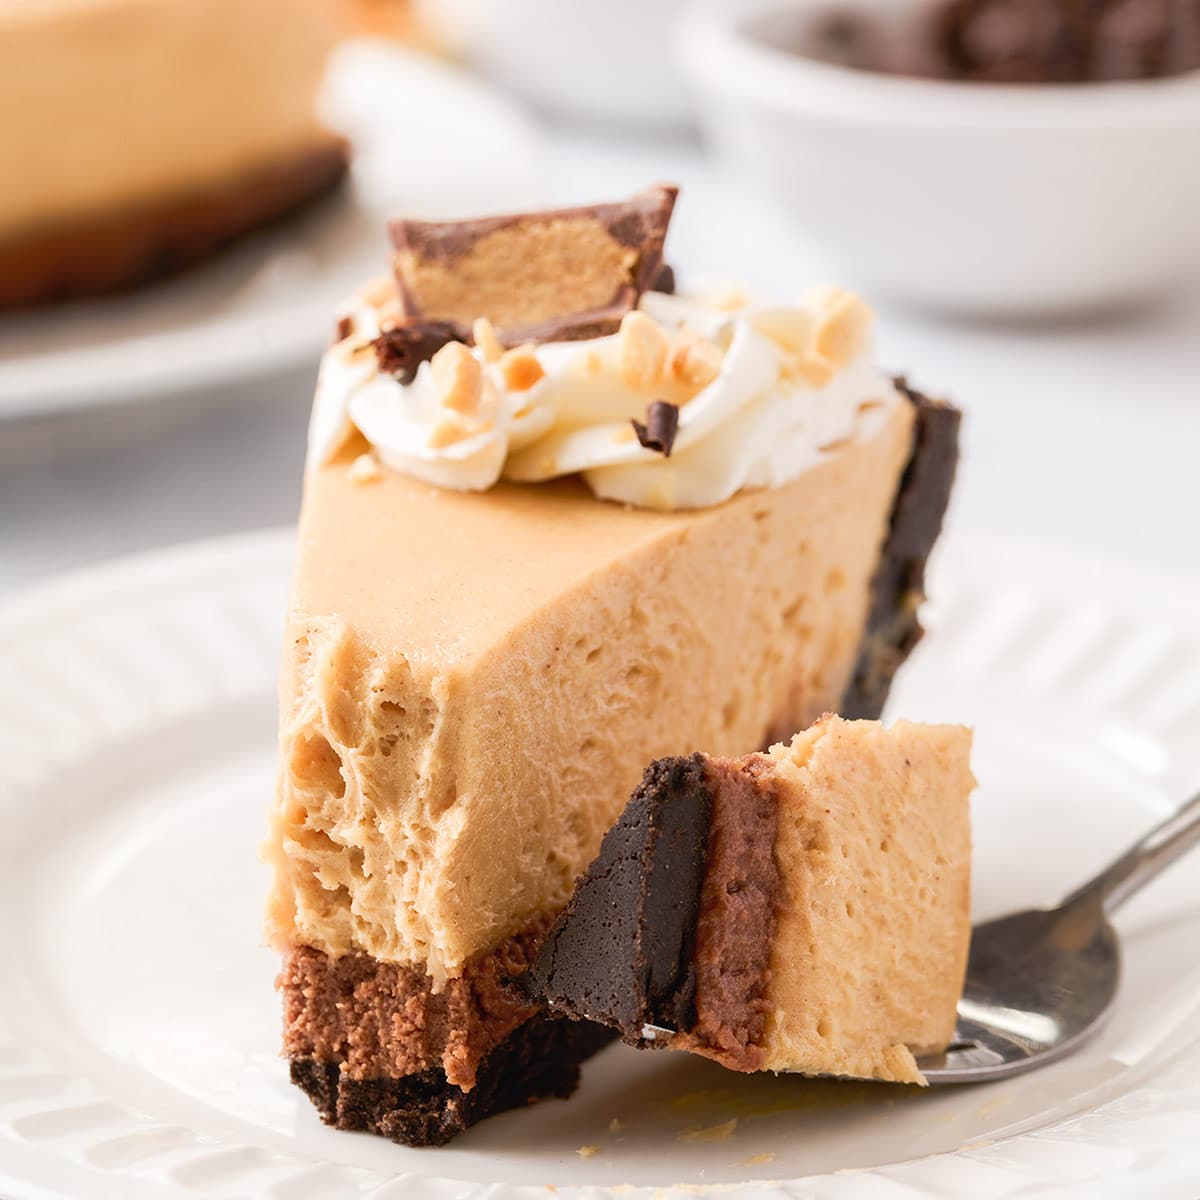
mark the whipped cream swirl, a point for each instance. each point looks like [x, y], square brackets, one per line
[763, 393]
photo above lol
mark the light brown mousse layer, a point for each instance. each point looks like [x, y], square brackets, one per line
[117, 105]
[380, 1020]
[873, 846]
[739, 905]
[472, 683]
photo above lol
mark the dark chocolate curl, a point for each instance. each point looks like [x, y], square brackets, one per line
[662, 424]
[403, 348]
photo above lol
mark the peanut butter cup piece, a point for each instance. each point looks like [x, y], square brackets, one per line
[557, 275]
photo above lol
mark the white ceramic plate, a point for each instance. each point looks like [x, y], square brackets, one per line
[428, 139]
[139, 1030]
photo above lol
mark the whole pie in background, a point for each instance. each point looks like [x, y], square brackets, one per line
[150, 134]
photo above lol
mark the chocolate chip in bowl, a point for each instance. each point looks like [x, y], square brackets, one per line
[1010, 41]
[972, 157]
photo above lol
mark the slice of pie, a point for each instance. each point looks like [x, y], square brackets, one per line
[142, 135]
[542, 544]
[801, 910]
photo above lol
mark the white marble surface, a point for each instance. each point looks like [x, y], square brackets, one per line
[1086, 434]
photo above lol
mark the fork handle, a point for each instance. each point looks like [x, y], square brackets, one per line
[1145, 860]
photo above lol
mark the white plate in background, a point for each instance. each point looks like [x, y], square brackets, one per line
[138, 1026]
[429, 139]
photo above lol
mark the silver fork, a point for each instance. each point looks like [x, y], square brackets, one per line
[1040, 982]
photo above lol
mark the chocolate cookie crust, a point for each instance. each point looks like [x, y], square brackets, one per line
[540, 1061]
[109, 252]
[623, 949]
[381, 1019]
[898, 588]
[375, 1048]
[672, 924]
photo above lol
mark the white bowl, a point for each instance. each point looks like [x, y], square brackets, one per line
[977, 198]
[593, 61]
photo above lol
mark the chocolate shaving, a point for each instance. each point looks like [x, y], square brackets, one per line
[343, 329]
[1012, 41]
[403, 348]
[665, 280]
[662, 424]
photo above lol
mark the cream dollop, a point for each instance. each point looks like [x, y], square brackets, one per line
[763, 393]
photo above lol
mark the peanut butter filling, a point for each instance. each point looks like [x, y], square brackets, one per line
[473, 683]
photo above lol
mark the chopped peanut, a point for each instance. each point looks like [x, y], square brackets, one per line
[520, 369]
[789, 328]
[843, 326]
[643, 351]
[457, 378]
[389, 311]
[810, 369]
[696, 362]
[448, 431]
[484, 333]
[365, 469]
